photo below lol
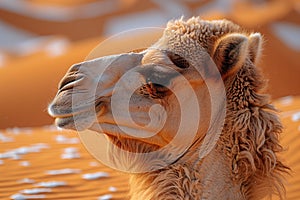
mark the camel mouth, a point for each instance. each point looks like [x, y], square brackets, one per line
[59, 109]
[127, 132]
[76, 118]
[65, 122]
[79, 121]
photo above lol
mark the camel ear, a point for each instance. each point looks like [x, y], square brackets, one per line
[230, 53]
[255, 43]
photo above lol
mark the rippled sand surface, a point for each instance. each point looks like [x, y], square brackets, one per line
[54, 160]
[46, 163]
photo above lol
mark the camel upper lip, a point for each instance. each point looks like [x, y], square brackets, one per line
[58, 111]
[80, 120]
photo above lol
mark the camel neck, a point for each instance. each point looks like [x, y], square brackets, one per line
[206, 179]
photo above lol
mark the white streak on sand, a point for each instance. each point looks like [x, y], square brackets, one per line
[292, 114]
[25, 197]
[14, 130]
[112, 189]
[51, 128]
[4, 138]
[296, 117]
[105, 197]
[286, 101]
[70, 153]
[36, 190]
[63, 171]
[51, 184]
[9, 154]
[17, 130]
[15, 154]
[61, 139]
[16, 157]
[25, 163]
[26, 180]
[71, 150]
[93, 176]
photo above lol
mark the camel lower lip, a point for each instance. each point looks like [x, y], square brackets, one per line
[64, 121]
[71, 123]
[79, 121]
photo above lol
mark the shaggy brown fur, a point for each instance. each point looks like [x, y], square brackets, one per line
[245, 163]
[251, 135]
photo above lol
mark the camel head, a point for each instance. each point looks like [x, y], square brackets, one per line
[160, 99]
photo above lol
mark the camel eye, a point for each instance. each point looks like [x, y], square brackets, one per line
[178, 60]
[154, 91]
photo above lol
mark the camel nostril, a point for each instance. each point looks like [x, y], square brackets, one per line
[67, 82]
[75, 68]
[73, 75]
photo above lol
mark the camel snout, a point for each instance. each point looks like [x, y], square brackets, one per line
[86, 89]
[72, 77]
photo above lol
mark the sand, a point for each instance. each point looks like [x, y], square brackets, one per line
[55, 163]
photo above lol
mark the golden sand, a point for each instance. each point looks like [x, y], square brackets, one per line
[56, 155]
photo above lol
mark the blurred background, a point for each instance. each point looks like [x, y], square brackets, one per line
[41, 39]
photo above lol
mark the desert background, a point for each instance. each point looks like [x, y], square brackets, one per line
[41, 39]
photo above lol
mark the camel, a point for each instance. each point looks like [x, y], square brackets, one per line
[170, 79]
